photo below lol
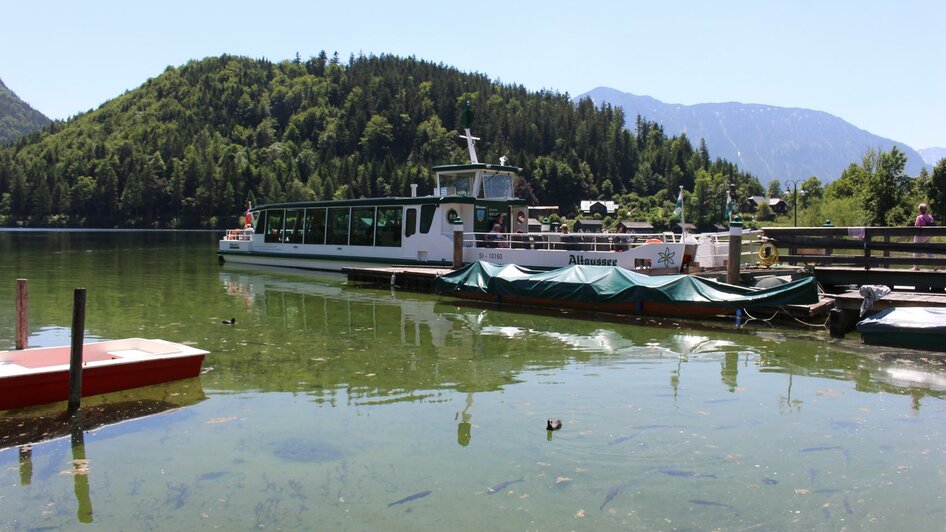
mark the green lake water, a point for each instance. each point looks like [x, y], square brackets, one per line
[336, 407]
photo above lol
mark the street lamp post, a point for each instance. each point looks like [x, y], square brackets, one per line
[794, 184]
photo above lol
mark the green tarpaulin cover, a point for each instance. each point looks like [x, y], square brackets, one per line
[608, 284]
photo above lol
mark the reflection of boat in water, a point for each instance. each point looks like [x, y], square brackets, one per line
[47, 422]
[41, 375]
[426, 344]
[607, 289]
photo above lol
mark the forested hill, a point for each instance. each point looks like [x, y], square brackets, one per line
[191, 146]
[17, 118]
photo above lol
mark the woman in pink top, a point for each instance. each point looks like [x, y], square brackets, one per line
[923, 219]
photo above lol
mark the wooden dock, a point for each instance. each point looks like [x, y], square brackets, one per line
[418, 279]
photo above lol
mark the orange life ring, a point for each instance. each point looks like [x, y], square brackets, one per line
[653, 241]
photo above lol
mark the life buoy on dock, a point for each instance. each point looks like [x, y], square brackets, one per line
[768, 254]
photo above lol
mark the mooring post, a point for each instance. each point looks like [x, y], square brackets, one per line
[22, 313]
[26, 464]
[735, 251]
[80, 468]
[457, 249]
[75, 354]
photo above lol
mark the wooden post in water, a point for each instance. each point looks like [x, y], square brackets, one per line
[75, 354]
[22, 313]
[26, 465]
[457, 249]
[735, 251]
[80, 468]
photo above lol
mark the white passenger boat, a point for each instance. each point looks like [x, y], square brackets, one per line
[420, 230]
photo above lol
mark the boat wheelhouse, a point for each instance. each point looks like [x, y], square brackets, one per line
[473, 201]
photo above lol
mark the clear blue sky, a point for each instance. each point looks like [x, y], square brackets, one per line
[878, 65]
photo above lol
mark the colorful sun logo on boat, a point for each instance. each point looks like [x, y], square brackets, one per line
[666, 257]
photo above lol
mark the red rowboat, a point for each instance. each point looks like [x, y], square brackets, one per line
[41, 375]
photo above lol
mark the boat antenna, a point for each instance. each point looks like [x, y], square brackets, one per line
[466, 119]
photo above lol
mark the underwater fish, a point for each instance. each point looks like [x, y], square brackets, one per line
[847, 507]
[213, 475]
[620, 439]
[770, 481]
[409, 498]
[502, 485]
[612, 493]
[687, 474]
[702, 502]
[824, 448]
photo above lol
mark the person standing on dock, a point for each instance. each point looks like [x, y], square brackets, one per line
[923, 219]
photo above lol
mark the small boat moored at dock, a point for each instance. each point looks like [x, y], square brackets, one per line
[908, 327]
[610, 289]
[41, 375]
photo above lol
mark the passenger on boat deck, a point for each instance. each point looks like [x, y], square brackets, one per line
[620, 241]
[498, 229]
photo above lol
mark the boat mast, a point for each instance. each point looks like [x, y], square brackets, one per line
[466, 119]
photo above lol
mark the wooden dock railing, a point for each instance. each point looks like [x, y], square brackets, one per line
[868, 247]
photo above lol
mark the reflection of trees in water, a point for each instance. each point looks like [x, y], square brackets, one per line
[387, 346]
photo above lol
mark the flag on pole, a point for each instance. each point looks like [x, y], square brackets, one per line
[678, 211]
[729, 206]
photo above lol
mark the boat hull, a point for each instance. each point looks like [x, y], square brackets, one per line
[38, 376]
[637, 308]
[611, 289]
[655, 258]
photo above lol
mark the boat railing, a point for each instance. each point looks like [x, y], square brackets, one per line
[566, 242]
[239, 234]
[713, 248]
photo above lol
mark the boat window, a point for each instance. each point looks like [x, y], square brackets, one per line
[389, 227]
[315, 226]
[362, 226]
[274, 225]
[259, 221]
[410, 223]
[497, 186]
[338, 225]
[294, 221]
[426, 217]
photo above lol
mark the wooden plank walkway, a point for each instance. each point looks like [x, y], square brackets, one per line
[851, 300]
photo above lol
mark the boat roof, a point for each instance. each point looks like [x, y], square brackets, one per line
[476, 166]
[368, 202]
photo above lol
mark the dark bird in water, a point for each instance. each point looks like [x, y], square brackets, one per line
[231, 321]
[554, 425]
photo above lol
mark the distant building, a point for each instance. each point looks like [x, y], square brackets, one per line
[636, 227]
[777, 205]
[587, 226]
[541, 212]
[603, 208]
